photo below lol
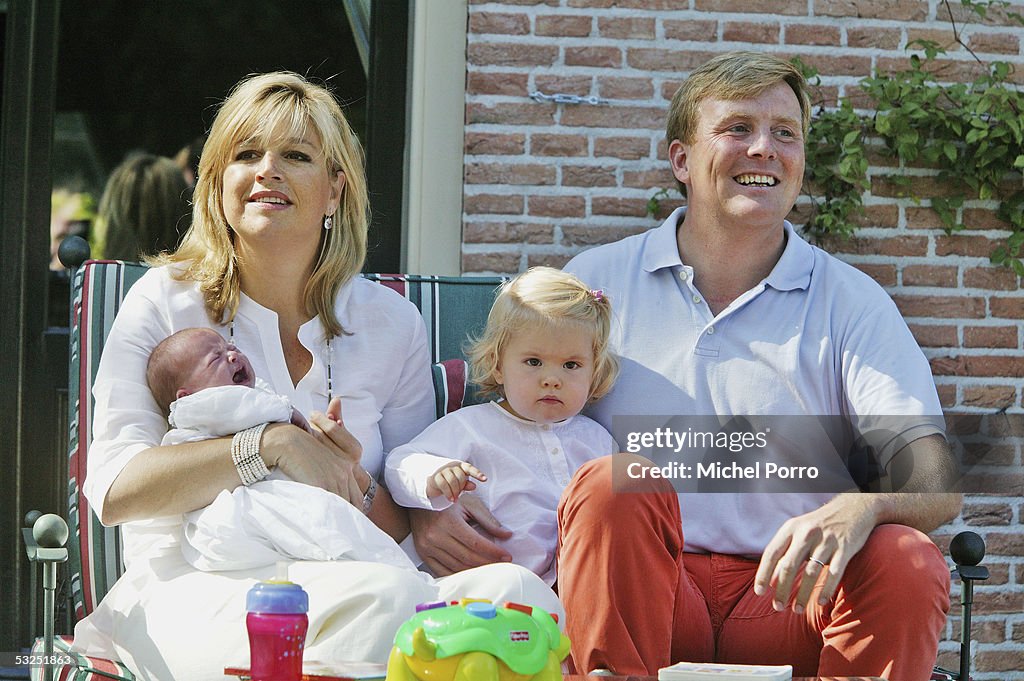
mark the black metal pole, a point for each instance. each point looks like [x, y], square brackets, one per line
[966, 599]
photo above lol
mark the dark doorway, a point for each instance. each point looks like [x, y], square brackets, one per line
[148, 75]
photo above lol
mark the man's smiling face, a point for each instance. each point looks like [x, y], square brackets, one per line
[745, 163]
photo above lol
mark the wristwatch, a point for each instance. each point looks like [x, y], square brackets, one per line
[371, 492]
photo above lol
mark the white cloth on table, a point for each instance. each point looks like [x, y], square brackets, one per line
[167, 620]
[527, 465]
[175, 622]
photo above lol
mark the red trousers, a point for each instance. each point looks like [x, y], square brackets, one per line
[635, 602]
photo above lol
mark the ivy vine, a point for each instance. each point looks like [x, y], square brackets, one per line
[971, 133]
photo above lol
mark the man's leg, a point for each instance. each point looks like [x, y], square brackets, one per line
[884, 620]
[630, 606]
[752, 632]
[890, 608]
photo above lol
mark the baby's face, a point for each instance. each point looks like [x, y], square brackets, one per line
[214, 362]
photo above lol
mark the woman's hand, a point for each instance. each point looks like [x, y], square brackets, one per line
[330, 429]
[328, 459]
[447, 542]
[299, 420]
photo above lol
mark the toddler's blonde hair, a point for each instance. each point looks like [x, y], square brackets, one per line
[543, 296]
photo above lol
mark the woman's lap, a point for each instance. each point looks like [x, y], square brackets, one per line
[177, 623]
[501, 582]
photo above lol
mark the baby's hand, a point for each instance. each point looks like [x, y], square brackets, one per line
[453, 479]
[299, 420]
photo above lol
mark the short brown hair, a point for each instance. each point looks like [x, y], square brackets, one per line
[732, 76]
[163, 370]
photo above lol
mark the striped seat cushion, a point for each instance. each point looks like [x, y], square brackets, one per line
[94, 555]
[451, 386]
[453, 309]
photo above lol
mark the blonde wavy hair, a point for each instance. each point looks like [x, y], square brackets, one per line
[543, 296]
[268, 107]
[731, 76]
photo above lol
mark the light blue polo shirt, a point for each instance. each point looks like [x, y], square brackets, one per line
[815, 337]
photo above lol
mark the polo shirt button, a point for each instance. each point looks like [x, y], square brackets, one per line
[554, 451]
[711, 330]
[697, 300]
[684, 275]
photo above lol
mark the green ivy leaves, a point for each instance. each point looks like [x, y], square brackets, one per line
[971, 134]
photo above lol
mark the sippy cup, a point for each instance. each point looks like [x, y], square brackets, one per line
[277, 625]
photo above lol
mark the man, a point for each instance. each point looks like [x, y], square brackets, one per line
[725, 310]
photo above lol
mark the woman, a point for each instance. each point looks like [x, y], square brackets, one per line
[144, 208]
[277, 239]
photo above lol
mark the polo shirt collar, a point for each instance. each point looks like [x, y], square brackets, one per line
[660, 249]
[792, 271]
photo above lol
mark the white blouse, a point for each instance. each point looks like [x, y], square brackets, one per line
[527, 464]
[381, 372]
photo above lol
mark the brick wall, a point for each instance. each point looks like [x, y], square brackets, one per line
[544, 181]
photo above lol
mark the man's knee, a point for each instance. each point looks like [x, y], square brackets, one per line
[907, 560]
[612, 484]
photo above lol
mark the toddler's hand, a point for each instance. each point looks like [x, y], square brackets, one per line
[453, 479]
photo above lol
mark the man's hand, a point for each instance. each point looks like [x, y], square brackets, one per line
[447, 542]
[832, 534]
[453, 479]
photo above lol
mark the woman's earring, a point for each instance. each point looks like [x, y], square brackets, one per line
[328, 222]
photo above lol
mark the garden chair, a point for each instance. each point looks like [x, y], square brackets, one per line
[452, 307]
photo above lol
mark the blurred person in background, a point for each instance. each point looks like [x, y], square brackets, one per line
[71, 213]
[144, 209]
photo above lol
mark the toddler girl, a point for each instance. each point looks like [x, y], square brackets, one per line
[544, 354]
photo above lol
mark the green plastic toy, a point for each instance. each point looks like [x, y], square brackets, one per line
[472, 640]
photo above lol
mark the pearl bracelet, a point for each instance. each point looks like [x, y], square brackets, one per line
[245, 453]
